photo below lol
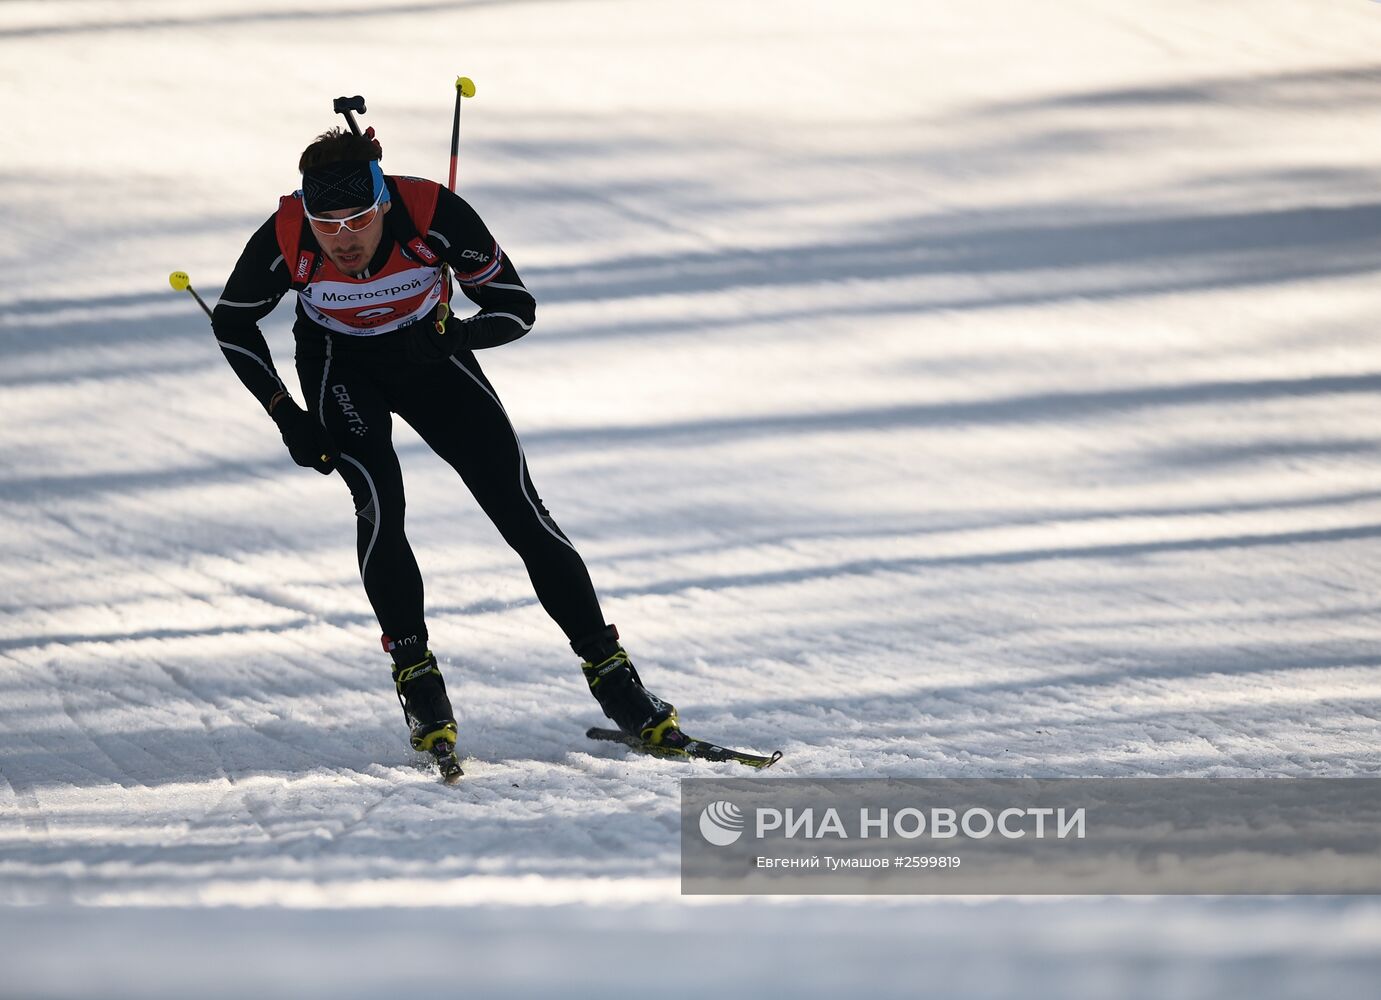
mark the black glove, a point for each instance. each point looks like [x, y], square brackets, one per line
[308, 443]
[426, 345]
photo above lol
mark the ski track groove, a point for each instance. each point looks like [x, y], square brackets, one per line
[90, 736]
[266, 596]
[161, 761]
[205, 717]
[348, 668]
[30, 810]
[175, 674]
[339, 837]
[234, 789]
[261, 814]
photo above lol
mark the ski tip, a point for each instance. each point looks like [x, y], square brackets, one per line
[776, 756]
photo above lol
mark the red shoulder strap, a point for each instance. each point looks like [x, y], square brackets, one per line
[288, 226]
[419, 198]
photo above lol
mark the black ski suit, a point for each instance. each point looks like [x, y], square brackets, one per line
[353, 383]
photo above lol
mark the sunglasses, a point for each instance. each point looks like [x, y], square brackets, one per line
[356, 223]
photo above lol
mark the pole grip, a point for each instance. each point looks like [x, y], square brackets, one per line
[182, 283]
[347, 106]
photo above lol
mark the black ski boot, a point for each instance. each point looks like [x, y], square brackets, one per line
[422, 693]
[616, 686]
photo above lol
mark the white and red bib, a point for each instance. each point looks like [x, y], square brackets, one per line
[406, 289]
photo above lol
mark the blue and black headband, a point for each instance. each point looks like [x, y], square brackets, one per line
[334, 186]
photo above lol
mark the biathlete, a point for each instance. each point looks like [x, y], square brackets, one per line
[368, 255]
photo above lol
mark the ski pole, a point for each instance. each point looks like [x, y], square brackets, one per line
[465, 87]
[182, 283]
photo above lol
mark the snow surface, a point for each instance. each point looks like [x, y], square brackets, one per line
[934, 389]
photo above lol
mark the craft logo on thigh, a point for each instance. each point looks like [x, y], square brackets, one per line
[357, 424]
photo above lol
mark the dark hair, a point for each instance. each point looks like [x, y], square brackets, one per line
[339, 146]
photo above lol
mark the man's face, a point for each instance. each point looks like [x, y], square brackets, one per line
[351, 252]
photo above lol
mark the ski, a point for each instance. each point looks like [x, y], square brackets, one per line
[679, 746]
[446, 761]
